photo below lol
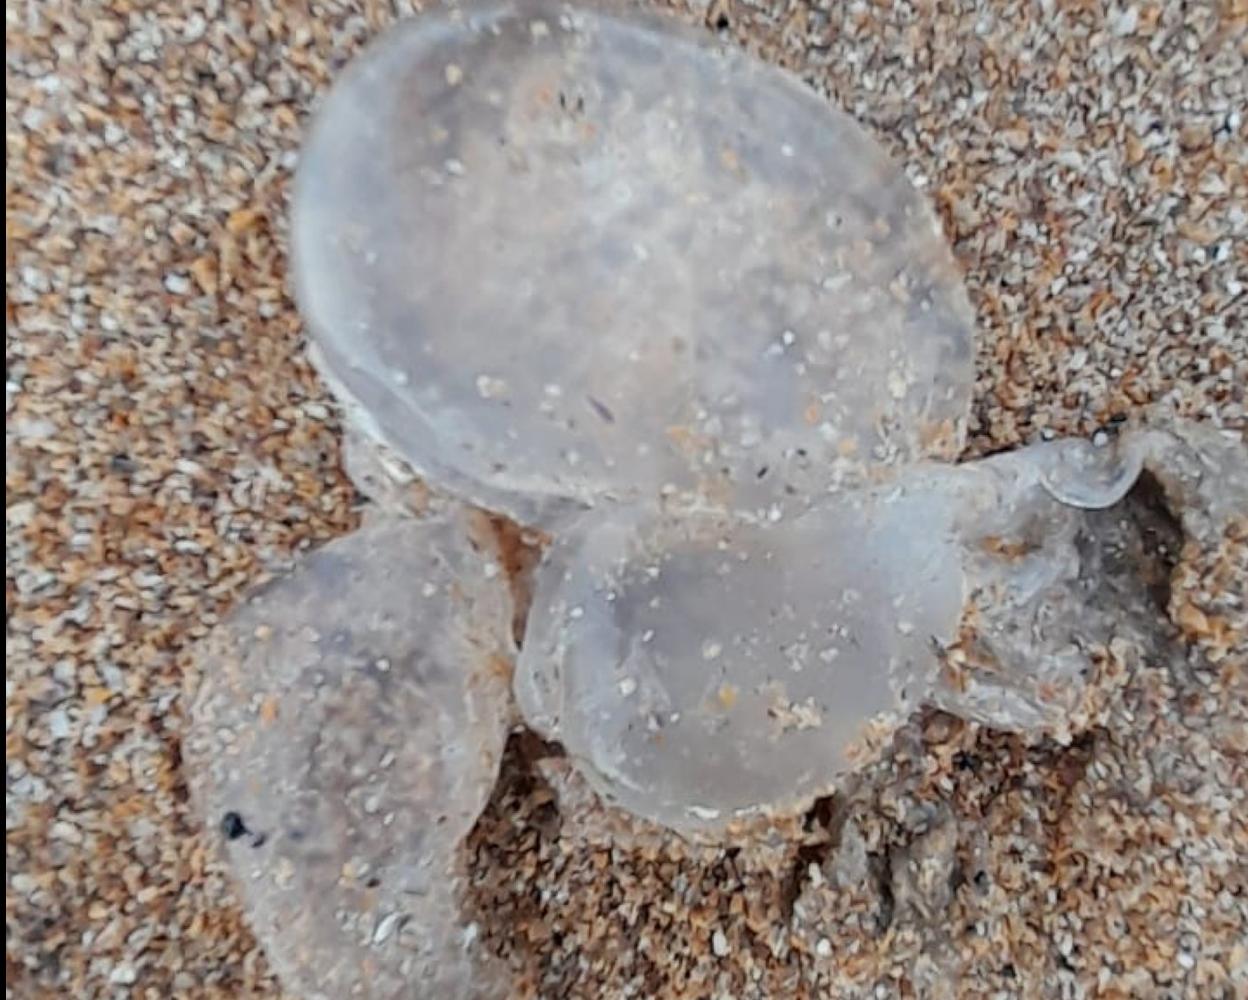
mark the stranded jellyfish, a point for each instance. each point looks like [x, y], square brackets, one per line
[712, 672]
[347, 734]
[594, 272]
[554, 258]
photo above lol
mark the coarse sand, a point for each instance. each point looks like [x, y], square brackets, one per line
[168, 446]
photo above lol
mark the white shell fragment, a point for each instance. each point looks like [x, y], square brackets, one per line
[553, 256]
[705, 671]
[346, 737]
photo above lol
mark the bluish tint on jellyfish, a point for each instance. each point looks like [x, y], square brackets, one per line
[557, 257]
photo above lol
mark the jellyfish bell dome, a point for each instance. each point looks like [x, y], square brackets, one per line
[347, 732]
[552, 257]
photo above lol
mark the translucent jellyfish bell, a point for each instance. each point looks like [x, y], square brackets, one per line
[707, 671]
[550, 256]
[345, 738]
[710, 672]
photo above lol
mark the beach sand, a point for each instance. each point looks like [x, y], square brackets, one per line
[168, 446]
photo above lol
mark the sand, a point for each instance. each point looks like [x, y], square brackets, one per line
[168, 446]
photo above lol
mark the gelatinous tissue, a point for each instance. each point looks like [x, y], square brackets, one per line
[669, 309]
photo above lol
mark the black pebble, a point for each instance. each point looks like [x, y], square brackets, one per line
[232, 826]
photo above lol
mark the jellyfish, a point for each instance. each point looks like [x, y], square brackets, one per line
[595, 274]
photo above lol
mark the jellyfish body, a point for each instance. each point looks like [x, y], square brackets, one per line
[347, 734]
[593, 271]
[556, 258]
[711, 673]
